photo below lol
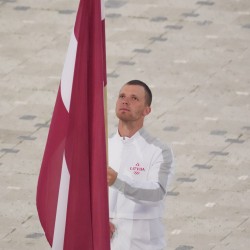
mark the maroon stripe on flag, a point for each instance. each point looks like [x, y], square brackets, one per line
[50, 173]
[87, 223]
[103, 40]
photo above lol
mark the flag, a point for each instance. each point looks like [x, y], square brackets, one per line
[72, 192]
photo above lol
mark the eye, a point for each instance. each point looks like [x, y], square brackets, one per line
[134, 98]
[121, 96]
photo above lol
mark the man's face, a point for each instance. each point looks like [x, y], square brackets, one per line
[131, 103]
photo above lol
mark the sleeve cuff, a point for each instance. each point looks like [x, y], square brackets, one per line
[118, 184]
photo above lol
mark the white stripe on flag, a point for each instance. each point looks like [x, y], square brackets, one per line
[61, 212]
[68, 72]
[66, 89]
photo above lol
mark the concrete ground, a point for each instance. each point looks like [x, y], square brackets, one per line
[194, 54]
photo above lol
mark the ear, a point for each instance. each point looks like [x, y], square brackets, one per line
[147, 110]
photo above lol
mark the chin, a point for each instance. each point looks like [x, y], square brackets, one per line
[123, 117]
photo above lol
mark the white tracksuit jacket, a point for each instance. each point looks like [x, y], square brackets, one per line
[144, 166]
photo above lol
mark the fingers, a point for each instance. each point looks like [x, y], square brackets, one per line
[112, 229]
[111, 176]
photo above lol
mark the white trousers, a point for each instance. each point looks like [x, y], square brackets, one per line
[138, 235]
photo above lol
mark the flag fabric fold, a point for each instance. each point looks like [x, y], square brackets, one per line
[72, 192]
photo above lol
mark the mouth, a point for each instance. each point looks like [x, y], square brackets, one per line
[124, 110]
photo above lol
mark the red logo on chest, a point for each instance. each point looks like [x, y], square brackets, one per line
[137, 169]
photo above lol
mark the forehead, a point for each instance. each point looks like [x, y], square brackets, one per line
[132, 90]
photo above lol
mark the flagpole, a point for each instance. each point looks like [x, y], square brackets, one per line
[106, 119]
[105, 81]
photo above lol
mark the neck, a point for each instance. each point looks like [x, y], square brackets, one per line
[128, 129]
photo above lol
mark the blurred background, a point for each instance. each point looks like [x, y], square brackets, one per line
[193, 54]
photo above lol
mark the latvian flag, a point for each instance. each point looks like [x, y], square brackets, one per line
[72, 192]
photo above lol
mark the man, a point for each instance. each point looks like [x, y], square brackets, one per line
[138, 176]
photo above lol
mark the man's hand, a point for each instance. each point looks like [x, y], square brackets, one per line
[111, 175]
[111, 229]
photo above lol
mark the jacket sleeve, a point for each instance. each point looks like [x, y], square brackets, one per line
[154, 189]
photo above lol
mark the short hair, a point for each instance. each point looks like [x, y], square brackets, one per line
[148, 92]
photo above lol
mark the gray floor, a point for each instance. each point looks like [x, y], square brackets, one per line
[195, 56]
